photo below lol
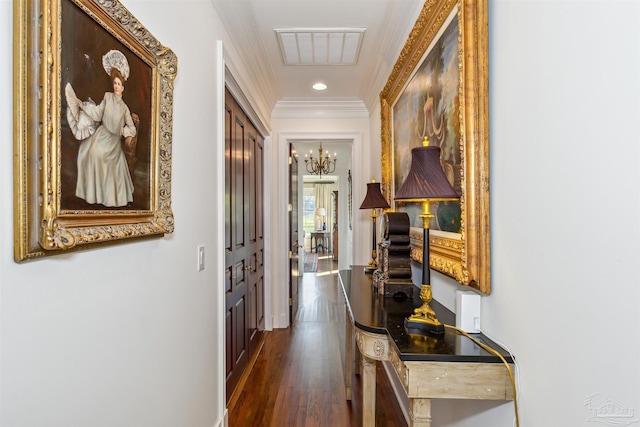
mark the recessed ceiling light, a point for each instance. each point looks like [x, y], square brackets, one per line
[319, 86]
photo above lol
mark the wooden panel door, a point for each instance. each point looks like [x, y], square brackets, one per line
[244, 241]
[255, 325]
[335, 243]
[237, 343]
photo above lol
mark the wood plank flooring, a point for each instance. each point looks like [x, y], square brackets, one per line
[298, 377]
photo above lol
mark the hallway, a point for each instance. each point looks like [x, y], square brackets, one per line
[298, 377]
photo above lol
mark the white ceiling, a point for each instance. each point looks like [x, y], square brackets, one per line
[252, 25]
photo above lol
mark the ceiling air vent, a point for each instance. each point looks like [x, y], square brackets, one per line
[320, 46]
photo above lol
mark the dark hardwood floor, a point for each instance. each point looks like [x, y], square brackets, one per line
[298, 377]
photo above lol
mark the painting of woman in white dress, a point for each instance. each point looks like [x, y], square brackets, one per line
[103, 171]
[107, 135]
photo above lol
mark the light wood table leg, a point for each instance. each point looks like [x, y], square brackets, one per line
[348, 358]
[420, 412]
[368, 391]
[357, 357]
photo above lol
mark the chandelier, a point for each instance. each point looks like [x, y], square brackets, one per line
[320, 165]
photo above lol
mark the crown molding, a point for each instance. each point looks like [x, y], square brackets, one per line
[313, 108]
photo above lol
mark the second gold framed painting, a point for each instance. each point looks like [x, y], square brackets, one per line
[438, 89]
[93, 98]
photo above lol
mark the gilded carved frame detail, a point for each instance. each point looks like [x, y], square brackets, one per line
[465, 256]
[42, 226]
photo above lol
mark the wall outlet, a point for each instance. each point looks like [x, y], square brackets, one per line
[468, 311]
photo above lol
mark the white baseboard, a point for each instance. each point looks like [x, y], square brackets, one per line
[281, 321]
[224, 422]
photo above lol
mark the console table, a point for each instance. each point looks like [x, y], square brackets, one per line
[323, 237]
[434, 367]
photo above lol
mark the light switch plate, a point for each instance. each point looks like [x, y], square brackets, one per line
[200, 258]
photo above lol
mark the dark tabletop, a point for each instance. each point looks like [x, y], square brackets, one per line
[385, 315]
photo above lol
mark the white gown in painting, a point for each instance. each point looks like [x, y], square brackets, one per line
[103, 174]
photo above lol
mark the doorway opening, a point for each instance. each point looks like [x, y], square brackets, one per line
[326, 232]
[325, 228]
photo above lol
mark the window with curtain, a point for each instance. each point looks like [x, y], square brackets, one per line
[309, 208]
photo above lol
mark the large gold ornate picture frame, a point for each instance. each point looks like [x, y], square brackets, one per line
[93, 105]
[439, 89]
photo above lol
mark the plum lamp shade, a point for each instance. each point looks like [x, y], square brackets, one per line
[426, 179]
[374, 198]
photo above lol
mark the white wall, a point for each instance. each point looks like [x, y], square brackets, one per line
[128, 335]
[565, 204]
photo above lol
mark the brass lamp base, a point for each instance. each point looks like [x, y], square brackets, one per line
[371, 267]
[373, 264]
[423, 321]
[418, 326]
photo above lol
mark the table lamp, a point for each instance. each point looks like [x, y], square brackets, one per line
[321, 212]
[425, 183]
[373, 200]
